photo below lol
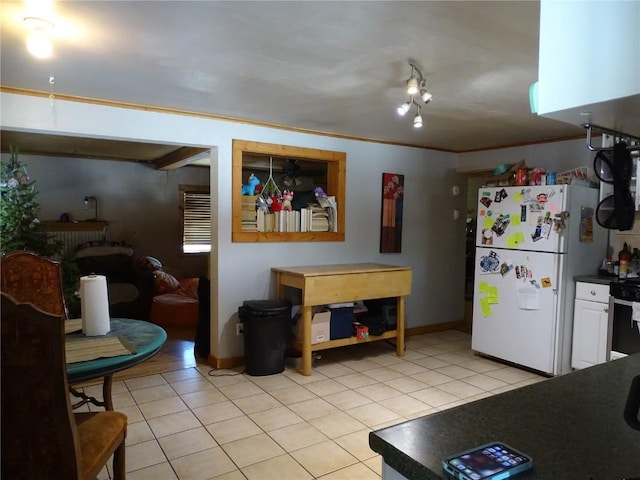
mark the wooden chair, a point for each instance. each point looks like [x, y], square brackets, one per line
[41, 437]
[30, 278]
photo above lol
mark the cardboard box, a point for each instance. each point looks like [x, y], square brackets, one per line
[320, 328]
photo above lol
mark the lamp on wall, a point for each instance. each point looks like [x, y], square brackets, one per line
[87, 202]
[417, 89]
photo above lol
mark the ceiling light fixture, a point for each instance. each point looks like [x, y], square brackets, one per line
[416, 86]
[39, 41]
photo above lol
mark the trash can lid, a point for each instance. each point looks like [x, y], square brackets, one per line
[266, 307]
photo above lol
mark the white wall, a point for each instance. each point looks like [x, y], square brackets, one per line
[556, 156]
[140, 203]
[433, 243]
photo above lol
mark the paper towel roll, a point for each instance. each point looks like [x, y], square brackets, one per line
[94, 305]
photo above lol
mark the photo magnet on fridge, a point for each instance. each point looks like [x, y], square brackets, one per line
[490, 263]
[505, 268]
[501, 195]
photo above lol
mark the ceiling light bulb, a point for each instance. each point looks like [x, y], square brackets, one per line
[39, 44]
[412, 86]
[404, 108]
[426, 96]
[417, 120]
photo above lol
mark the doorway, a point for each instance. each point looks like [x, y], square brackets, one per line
[475, 181]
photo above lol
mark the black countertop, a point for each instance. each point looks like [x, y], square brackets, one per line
[601, 279]
[572, 426]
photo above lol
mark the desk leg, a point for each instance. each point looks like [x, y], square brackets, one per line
[306, 340]
[279, 287]
[400, 348]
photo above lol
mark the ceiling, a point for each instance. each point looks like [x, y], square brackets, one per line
[338, 68]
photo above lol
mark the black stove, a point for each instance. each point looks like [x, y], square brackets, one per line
[626, 289]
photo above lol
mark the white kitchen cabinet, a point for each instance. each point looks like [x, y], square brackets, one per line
[588, 66]
[590, 325]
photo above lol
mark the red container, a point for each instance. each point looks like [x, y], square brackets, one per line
[520, 178]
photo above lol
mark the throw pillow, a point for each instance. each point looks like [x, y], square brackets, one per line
[149, 264]
[165, 283]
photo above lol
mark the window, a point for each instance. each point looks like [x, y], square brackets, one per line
[196, 220]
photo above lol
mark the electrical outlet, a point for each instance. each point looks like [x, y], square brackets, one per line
[239, 328]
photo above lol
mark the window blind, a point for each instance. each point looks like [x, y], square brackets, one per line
[197, 222]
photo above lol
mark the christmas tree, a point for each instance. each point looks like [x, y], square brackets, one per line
[20, 228]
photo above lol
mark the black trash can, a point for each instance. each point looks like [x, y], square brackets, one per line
[267, 325]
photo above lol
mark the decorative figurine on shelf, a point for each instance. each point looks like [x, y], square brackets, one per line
[319, 193]
[250, 189]
[275, 203]
[287, 197]
[262, 204]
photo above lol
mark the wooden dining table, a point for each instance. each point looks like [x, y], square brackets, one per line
[139, 341]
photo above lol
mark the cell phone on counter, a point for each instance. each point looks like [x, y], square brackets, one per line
[492, 461]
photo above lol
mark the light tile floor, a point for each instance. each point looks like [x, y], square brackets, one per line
[199, 424]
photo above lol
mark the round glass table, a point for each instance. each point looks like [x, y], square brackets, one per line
[144, 339]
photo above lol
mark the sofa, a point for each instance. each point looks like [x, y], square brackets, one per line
[175, 301]
[130, 289]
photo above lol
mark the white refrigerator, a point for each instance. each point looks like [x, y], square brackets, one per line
[530, 244]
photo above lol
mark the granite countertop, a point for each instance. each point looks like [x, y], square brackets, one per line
[572, 426]
[601, 279]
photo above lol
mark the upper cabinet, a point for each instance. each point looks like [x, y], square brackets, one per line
[262, 212]
[589, 63]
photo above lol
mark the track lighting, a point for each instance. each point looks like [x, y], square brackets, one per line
[416, 86]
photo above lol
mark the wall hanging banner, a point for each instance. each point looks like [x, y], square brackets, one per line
[391, 224]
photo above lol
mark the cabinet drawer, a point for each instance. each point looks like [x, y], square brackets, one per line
[593, 292]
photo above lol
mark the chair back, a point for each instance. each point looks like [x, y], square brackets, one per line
[39, 437]
[30, 278]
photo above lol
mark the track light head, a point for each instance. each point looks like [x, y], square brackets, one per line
[404, 108]
[417, 120]
[426, 96]
[412, 85]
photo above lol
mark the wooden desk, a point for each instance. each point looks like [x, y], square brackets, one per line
[325, 284]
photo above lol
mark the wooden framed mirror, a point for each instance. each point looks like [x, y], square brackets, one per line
[263, 171]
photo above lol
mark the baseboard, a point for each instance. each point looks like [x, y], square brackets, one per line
[225, 363]
[228, 363]
[436, 327]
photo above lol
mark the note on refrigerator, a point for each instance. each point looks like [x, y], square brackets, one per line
[528, 297]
